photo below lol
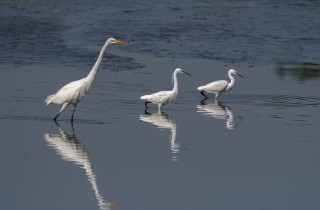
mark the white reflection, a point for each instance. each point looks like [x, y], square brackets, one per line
[70, 149]
[164, 121]
[217, 110]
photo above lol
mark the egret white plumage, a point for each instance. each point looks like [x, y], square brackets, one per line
[74, 92]
[161, 98]
[219, 86]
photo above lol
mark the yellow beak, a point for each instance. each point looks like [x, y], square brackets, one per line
[119, 42]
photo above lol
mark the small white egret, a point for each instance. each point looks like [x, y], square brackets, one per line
[219, 86]
[74, 92]
[163, 97]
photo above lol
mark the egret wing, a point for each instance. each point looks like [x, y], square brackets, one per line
[216, 86]
[72, 93]
[159, 97]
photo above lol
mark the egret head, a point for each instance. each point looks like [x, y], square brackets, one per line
[178, 70]
[234, 72]
[114, 41]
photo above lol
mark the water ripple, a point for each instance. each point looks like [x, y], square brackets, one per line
[234, 32]
[48, 119]
[278, 100]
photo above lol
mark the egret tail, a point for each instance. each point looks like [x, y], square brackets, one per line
[201, 88]
[48, 100]
[145, 97]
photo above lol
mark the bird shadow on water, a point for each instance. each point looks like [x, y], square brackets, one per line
[70, 149]
[219, 111]
[163, 120]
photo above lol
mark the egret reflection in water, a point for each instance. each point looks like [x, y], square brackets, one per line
[219, 111]
[164, 121]
[70, 149]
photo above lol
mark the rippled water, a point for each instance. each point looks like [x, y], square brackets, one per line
[256, 147]
[236, 32]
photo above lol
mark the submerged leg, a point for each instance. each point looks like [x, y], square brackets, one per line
[75, 106]
[64, 106]
[57, 124]
[202, 93]
[203, 101]
[55, 118]
[146, 112]
[72, 128]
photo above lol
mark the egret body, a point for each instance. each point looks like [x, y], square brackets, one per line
[219, 86]
[163, 97]
[74, 92]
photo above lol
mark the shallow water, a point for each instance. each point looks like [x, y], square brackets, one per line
[257, 147]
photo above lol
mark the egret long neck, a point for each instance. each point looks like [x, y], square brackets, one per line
[175, 84]
[93, 72]
[231, 83]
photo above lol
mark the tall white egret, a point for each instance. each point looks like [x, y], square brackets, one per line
[74, 92]
[161, 98]
[219, 86]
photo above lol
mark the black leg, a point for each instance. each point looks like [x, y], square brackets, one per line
[146, 112]
[55, 118]
[72, 127]
[56, 123]
[75, 106]
[64, 106]
[203, 101]
[146, 107]
[146, 104]
[202, 93]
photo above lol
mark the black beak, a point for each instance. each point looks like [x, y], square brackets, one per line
[186, 73]
[240, 75]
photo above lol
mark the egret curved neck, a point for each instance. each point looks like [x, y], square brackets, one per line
[175, 83]
[231, 83]
[93, 72]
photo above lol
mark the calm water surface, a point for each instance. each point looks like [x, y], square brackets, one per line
[257, 147]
